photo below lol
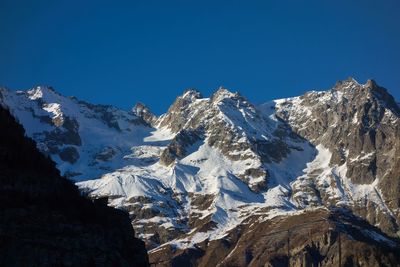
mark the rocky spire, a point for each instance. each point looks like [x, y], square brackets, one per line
[46, 93]
[191, 94]
[177, 113]
[383, 95]
[142, 111]
[343, 84]
[223, 93]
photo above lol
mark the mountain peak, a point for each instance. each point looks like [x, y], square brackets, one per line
[223, 93]
[383, 95]
[42, 92]
[191, 94]
[344, 84]
[140, 108]
[188, 97]
[371, 83]
[370, 88]
[351, 87]
[142, 111]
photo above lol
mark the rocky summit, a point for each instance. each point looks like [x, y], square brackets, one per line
[220, 181]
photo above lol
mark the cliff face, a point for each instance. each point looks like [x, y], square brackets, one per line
[359, 124]
[44, 221]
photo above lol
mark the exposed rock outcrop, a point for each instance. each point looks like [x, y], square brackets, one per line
[142, 111]
[230, 123]
[177, 149]
[360, 125]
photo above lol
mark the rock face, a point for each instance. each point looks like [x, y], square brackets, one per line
[360, 126]
[178, 146]
[230, 124]
[44, 221]
[212, 167]
[142, 111]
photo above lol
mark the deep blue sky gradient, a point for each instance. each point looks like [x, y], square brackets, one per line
[121, 52]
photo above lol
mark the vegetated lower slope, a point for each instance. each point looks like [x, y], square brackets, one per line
[213, 166]
[44, 221]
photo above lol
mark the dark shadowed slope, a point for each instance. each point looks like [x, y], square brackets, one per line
[44, 221]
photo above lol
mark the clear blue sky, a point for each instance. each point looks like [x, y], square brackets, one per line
[121, 52]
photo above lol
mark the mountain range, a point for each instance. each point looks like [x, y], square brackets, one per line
[220, 181]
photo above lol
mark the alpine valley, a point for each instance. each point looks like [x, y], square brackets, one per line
[219, 181]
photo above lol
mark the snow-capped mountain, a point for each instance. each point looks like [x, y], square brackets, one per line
[85, 140]
[356, 130]
[211, 166]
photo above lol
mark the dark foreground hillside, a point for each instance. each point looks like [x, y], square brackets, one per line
[44, 221]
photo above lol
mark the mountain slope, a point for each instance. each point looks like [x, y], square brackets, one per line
[358, 126]
[85, 140]
[44, 221]
[212, 174]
